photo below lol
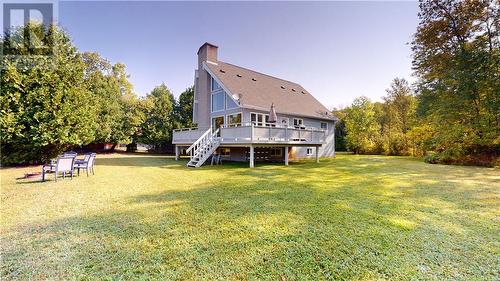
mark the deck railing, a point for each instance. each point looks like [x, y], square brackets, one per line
[249, 132]
[252, 133]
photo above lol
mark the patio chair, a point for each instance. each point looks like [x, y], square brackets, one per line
[63, 164]
[70, 153]
[87, 163]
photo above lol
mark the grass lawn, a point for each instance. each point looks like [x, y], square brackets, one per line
[353, 217]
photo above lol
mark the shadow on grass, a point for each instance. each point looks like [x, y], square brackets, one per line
[337, 220]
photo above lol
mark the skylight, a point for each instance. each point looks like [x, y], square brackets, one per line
[283, 87]
[222, 71]
[253, 79]
[238, 75]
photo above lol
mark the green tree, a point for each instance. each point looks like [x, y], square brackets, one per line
[44, 100]
[457, 60]
[399, 117]
[361, 126]
[156, 130]
[113, 98]
[184, 108]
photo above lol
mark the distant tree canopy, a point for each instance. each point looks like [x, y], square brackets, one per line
[453, 114]
[69, 99]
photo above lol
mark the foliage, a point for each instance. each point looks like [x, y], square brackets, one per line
[349, 218]
[457, 60]
[44, 100]
[157, 106]
[113, 98]
[340, 130]
[361, 126]
[183, 111]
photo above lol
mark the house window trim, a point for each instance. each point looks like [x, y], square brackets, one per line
[212, 90]
[212, 121]
[321, 127]
[211, 101]
[307, 151]
[301, 123]
[234, 113]
[264, 124]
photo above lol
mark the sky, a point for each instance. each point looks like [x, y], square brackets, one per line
[336, 50]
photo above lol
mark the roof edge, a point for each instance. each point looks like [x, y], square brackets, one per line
[204, 44]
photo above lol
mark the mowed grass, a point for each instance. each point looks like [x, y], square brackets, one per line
[353, 217]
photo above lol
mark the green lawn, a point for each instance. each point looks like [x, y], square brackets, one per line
[353, 217]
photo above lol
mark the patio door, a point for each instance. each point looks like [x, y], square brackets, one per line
[217, 122]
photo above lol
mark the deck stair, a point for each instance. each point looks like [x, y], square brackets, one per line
[203, 148]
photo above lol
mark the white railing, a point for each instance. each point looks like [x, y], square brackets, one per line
[249, 132]
[187, 135]
[203, 148]
[201, 141]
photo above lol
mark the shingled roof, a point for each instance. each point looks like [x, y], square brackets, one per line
[256, 90]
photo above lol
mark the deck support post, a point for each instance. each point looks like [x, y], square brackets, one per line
[317, 154]
[251, 156]
[177, 152]
[286, 155]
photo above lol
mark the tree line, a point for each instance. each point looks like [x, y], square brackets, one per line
[49, 104]
[452, 113]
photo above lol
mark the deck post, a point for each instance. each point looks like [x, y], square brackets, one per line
[286, 155]
[251, 157]
[317, 154]
[177, 152]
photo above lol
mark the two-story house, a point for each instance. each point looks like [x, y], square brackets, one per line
[232, 108]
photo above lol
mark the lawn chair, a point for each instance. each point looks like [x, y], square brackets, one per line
[70, 153]
[63, 164]
[87, 163]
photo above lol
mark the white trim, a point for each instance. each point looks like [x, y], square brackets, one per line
[301, 123]
[220, 83]
[263, 120]
[234, 113]
[250, 107]
[307, 151]
[216, 116]
[322, 122]
[224, 102]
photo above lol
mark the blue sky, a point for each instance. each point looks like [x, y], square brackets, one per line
[336, 50]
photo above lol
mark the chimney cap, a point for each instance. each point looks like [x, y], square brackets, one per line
[204, 44]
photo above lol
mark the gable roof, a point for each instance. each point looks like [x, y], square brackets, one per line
[255, 90]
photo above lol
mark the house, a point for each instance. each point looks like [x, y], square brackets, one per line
[232, 108]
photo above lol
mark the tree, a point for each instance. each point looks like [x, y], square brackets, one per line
[44, 101]
[184, 108]
[399, 117]
[113, 99]
[156, 130]
[361, 125]
[457, 60]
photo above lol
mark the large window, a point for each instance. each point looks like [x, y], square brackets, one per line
[215, 85]
[234, 120]
[218, 101]
[298, 123]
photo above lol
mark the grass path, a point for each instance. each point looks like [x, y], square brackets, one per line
[353, 217]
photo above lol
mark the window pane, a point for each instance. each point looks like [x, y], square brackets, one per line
[218, 101]
[234, 119]
[230, 103]
[324, 125]
[215, 85]
[253, 118]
